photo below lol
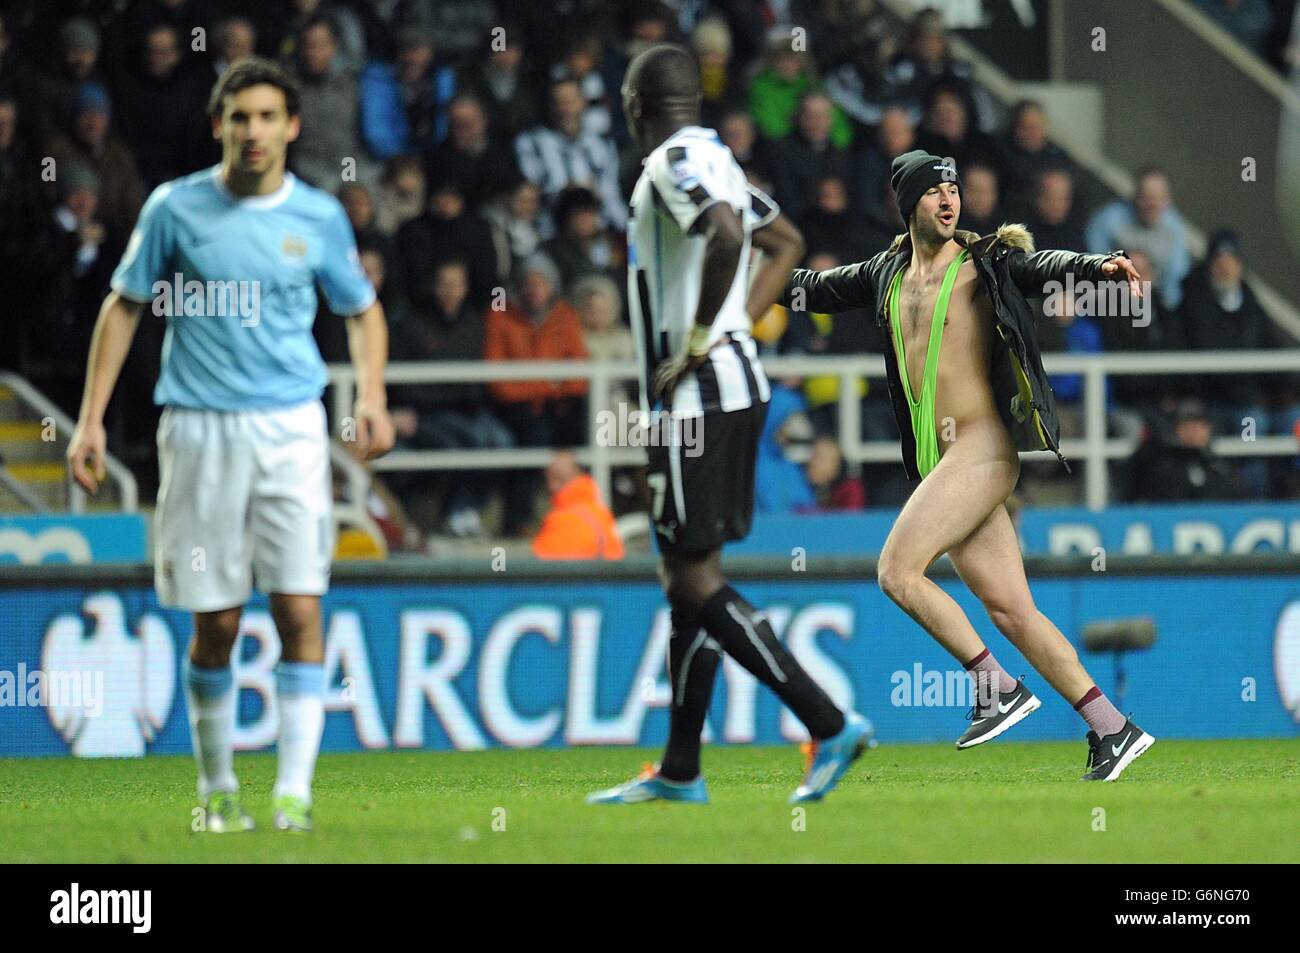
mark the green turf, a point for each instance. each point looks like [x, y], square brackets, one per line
[1183, 801]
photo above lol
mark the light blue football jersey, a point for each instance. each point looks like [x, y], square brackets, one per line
[236, 280]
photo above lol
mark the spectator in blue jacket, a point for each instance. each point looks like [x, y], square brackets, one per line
[404, 102]
[780, 484]
[1149, 222]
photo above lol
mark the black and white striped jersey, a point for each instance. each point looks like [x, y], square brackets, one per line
[689, 172]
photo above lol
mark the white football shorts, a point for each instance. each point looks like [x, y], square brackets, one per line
[242, 495]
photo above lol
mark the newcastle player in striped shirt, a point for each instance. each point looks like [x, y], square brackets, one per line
[694, 220]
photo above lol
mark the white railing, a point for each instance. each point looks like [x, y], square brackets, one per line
[1094, 448]
[116, 470]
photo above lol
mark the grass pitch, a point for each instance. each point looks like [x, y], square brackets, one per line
[1188, 801]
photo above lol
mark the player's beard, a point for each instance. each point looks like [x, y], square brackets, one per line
[930, 231]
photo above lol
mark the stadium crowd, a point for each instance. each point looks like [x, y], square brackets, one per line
[478, 146]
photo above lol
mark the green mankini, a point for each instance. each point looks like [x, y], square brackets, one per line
[922, 410]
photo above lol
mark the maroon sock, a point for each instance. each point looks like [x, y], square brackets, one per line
[985, 666]
[1101, 716]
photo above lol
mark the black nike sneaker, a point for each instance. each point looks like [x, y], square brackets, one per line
[987, 723]
[1109, 756]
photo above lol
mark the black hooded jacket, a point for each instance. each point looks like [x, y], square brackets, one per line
[1010, 270]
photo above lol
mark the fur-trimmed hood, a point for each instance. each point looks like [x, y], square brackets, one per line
[1010, 235]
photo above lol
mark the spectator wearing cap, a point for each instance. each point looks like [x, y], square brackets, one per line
[536, 324]
[1185, 469]
[711, 40]
[1026, 152]
[1221, 312]
[404, 101]
[564, 154]
[471, 155]
[162, 111]
[1149, 221]
[581, 247]
[331, 111]
[91, 143]
[447, 230]
[79, 254]
[57, 91]
[807, 155]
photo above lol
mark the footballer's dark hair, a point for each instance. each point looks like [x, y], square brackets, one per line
[255, 71]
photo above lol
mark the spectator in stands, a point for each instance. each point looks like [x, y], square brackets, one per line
[1187, 470]
[1250, 21]
[162, 110]
[359, 204]
[471, 155]
[58, 90]
[582, 247]
[23, 214]
[580, 63]
[738, 134]
[869, 167]
[807, 155]
[833, 488]
[1220, 312]
[981, 208]
[78, 257]
[461, 25]
[515, 218]
[1067, 330]
[537, 324]
[563, 154]
[93, 144]
[723, 94]
[925, 62]
[329, 146]
[347, 28]
[579, 525]
[775, 93]
[780, 485]
[1052, 221]
[1026, 151]
[446, 326]
[402, 194]
[855, 42]
[1149, 221]
[829, 225]
[404, 101]
[447, 230]
[141, 17]
[236, 40]
[949, 130]
[498, 75]
[8, 72]
[600, 309]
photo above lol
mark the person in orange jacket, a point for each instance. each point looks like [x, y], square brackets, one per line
[536, 324]
[579, 525]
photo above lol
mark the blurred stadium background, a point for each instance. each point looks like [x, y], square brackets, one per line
[495, 589]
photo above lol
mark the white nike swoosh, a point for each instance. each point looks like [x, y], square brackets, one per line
[1003, 709]
[1116, 749]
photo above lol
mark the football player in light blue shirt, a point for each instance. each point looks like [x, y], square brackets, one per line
[231, 258]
